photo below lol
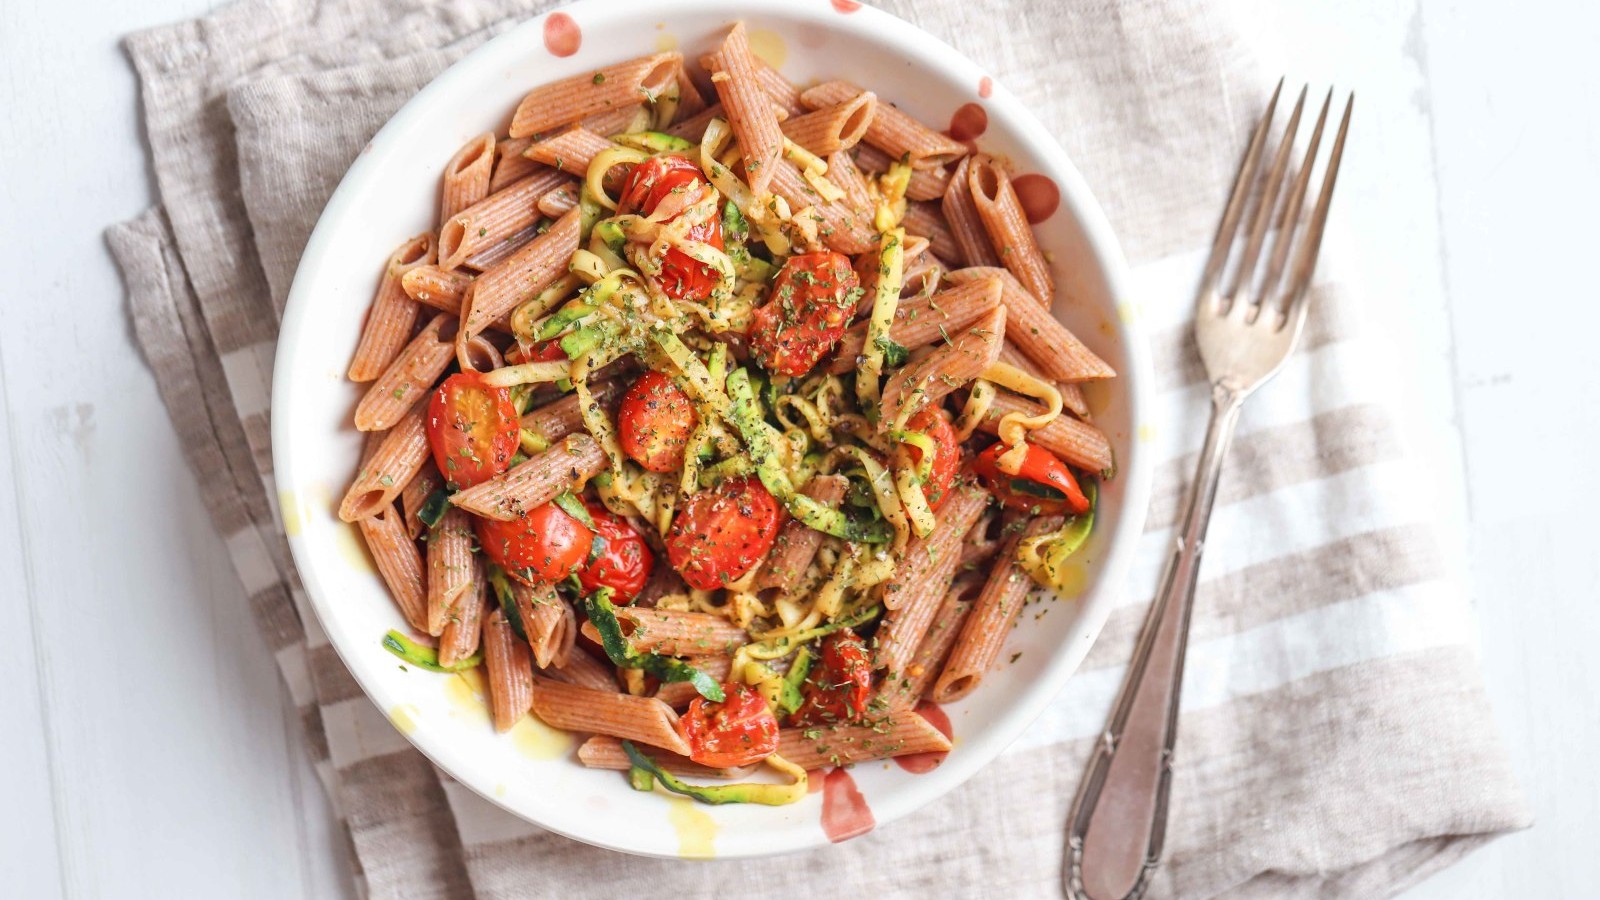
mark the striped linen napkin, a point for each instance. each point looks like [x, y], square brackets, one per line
[1336, 741]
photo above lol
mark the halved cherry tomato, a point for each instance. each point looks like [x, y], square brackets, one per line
[935, 423]
[621, 560]
[837, 689]
[652, 182]
[545, 351]
[1043, 485]
[472, 429]
[654, 422]
[545, 544]
[736, 732]
[807, 310]
[720, 533]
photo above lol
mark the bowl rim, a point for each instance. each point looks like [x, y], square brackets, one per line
[917, 47]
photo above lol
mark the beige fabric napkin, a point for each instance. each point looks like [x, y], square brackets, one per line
[1335, 738]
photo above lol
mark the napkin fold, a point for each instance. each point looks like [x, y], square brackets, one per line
[1336, 741]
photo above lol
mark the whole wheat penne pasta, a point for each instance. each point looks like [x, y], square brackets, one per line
[557, 202]
[570, 150]
[782, 91]
[437, 287]
[949, 366]
[1071, 393]
[1052, 346]
[904, 690]
[583, 670]
[645, 720]
[518, 277]
[966, 226]
[602, 752]
[842, 171]
[416, 492]
[399, 563]
[1077, 443]
[511, 494]
[398, 458]
[511, 243]
[693, 128]
[750, 114]
[672, 632]
[926, 218]
[548, 622]
[463, 624]
[1008, 228]
[495, 218]
[978, 547]
[923, 274]
[892, 131]
[451, 567]
[482, 355]
[606, 90]
[690, 101]
[392, 315]
[833, 128]
[467, 175]
[920, 321]
[369, 447]
[509, 163]
[841, 227]
[409, 377]
[922, 579]
[663, 581]
[797, 543]
[899, 733]
[557, 419]
[925, 184]
[993, 612]
[679, 694]
[509, 671]
[622, 120]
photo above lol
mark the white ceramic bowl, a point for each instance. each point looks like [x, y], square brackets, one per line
[391, 192]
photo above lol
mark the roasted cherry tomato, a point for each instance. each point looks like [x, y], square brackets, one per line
[1044, 485]
[838, 687]
[545, 351]
[472, 428]
[720, 533]
[807, 310]
[935, 423]
[654, 422]
[620, 559]
[651, 183]
[736, 732]
[545, 544]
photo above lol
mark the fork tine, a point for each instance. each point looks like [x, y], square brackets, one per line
[1306, 259]
[1236, 201]
[1289, 213]
[1266, 204]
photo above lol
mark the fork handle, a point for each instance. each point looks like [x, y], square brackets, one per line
[1118, 821]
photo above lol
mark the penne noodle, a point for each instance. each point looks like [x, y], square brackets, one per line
[966, 226]
[671, 632]
[467, 176]
[437, 287]
[409, 377]
[693, 128]
[750, 113]
[776, 86]
[833, 128]
[622, 120]
[1052, 348]
[369, 447]
[842, 171]
[1071, 393]
[842, 228]
[920, 321]
[925, 184]
[663, 581]
[679, 694]
[1009, 232]
[397, 460]
[566, 466]
[463, 625]
[920, 583]
[892, 131]
[517, 278]
[601, 752]
[899, 733]
[451, 567]
[416, 492]
[645, 720]
[547, 621]
[495, 218]
[1077, 443]
[583, 670]
[569, 151]
[926, 219]
[398, 562]
[906, 690]
[996, 608]
[557, 202]
[690, 101]
[557, 419]
[509, 164]
[510, 674]
[606, 90]
[797, 543]
[928, 380]
[392, 315]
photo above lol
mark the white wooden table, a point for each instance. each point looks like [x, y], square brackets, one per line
[148, 748]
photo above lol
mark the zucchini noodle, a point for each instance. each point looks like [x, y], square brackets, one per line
[979, 400]
[885, 299]
[888, 497]
[595, 177]
[1015, 426]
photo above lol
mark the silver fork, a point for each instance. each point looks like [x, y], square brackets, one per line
[1245, 333]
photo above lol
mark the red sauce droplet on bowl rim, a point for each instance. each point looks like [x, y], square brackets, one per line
[985, 87]
[844, 811]
[561, 34]
[1038, 195]
[846, 6]
[969, 121]
[923, 763]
